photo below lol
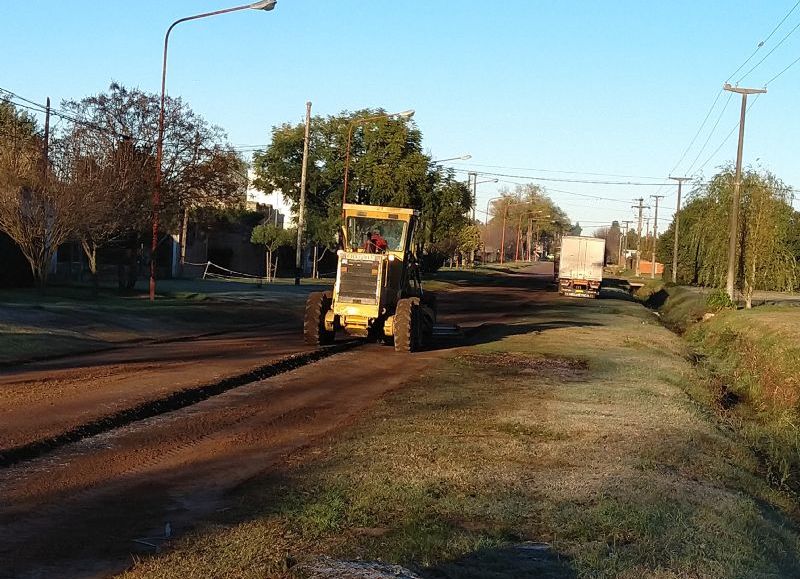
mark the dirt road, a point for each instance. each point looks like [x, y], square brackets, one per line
[83, 508]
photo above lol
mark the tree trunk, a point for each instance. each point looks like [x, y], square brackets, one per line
[314, 272]
[529, 242]
[268, 265]
[182, 237]
[90, 249]
[749, 285]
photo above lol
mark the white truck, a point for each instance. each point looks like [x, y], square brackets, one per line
[580, 267]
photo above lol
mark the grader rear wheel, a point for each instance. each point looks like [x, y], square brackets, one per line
[314, 332]
[407, 326]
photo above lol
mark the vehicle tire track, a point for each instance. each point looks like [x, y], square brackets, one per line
[169, 403]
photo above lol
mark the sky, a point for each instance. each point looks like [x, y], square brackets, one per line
[548, 92]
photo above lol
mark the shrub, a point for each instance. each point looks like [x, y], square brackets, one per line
[719, 300]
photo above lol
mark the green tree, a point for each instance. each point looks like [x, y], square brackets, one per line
[272, 238]
[526, 211]
[387, 167]
[469, 241]
[767, 249]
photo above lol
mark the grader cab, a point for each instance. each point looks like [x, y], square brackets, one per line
[378, 291]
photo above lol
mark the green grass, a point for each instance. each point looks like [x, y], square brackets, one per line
[753, 356]
[581, 435]
[683, 307]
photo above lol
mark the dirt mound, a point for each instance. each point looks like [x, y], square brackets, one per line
[327, 568]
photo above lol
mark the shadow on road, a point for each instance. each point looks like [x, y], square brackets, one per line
[495, 332]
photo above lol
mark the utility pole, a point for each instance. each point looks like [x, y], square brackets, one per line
[640, 207]
[655, 237]
[623, 252]
[46, 152]
[474, 203]
[680, 181]
[503, 236]
[474, 176]
[733, 226]
[298, 259]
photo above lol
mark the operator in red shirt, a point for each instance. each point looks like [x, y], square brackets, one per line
[376, 243]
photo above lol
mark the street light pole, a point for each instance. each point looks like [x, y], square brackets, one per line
[733, 225]
[261, 5]
[404, 115]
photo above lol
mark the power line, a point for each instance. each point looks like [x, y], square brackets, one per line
[740, 67]
[774, 48]
[784, 70]
[554, 179]
[558, 171]
[725, 139]
[697, 134]
[710, 134]
[763, 42]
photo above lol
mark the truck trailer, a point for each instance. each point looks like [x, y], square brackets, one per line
[580, 266]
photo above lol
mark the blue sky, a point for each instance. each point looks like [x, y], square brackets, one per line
[526, 87]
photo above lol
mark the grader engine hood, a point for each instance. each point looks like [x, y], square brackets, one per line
[358, 284]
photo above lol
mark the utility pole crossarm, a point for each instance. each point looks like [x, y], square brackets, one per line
[741, 90]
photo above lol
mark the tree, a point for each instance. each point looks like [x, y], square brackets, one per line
[387, 167]
[469, 241]
[272, 238]
[613, 237]
[113, 144]
[528, 212]
[36, 210]
[768, 232]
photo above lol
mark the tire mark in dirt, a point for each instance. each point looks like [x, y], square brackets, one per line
[174, 401]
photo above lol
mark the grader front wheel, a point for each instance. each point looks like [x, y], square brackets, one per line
[314, 332]
[407, 326]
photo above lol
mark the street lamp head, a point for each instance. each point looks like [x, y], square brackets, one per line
[264, 5]
[405, 114]
[464, 157]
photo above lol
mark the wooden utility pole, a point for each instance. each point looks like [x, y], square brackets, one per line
[655, 237]
[640, 207]
[46, 151]
[624, 252]
[298, 259]
[474, 204]
[474, 177]
[733, 225]
[680, 181]
[503, 236]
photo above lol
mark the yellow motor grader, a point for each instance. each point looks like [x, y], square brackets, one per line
[378, 291]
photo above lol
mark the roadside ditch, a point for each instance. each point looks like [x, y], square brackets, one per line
[749, 365]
